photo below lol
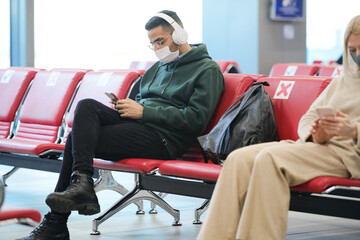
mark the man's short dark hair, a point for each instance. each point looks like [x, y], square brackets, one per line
[156, 21]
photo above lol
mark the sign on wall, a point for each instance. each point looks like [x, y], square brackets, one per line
[287, 10]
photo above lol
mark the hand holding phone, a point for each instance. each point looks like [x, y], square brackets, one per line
[112, 96]
[325, 111]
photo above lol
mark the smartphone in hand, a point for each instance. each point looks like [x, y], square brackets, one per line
[112, 96]
[325, 111]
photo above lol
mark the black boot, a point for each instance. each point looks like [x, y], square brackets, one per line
[80, 196]
[52, 227]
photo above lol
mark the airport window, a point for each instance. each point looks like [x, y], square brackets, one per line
[96, 34]
[325, 26]
[5, 34]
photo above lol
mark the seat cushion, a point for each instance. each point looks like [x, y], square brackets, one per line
[8, 213]
[194, 170]
[320, 184]
[135, 165]
[26, 145]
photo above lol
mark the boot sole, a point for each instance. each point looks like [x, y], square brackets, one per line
[67, 205]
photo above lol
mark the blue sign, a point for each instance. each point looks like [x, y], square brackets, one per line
[287, 10]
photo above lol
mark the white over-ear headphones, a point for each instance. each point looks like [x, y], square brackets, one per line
[179, 35]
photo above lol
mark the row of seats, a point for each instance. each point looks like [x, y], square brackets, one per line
[279, 69]
[40, 127]
[302, 69]
[226, 66]
[36, 116]
[290, 103]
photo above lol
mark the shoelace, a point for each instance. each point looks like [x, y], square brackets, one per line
[43, 225]
[75, 179]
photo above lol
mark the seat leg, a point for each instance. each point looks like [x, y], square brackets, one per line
[199, 211]
[8, 174]
[2, 193]
[153, 205]
[106, 181]
[135, 195]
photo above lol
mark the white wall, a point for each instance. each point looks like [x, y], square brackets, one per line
[103, 34]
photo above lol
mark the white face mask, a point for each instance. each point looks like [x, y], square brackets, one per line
[165, 55]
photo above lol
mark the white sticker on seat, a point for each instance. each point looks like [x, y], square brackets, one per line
[104, 79]
[51, 82]
[7, 76]
[290, 71]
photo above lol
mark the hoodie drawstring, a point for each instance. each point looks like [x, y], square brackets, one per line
[171, 77]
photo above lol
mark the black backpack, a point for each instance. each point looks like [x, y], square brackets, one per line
[249, 120]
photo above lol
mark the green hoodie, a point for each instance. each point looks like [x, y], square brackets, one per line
[180, 97]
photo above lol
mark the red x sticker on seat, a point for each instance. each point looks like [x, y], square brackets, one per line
[338, 71]
[284, 89]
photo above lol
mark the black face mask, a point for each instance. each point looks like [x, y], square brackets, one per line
[356, 58]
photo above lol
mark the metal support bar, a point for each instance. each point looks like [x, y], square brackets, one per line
[106, 181]
[31, 162]
[153, 205]
[200, 211]
[178, 186]
[325, 205]
[138, 193]
[8, 174]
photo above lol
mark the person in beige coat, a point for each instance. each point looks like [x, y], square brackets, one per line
[252, 195]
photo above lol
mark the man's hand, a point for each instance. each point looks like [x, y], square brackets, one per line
[129, 108]
[327, 127]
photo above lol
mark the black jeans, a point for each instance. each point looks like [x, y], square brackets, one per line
[99, 131]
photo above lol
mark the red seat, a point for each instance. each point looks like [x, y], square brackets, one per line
[193, 170]
[235, 85]
[255, 77]
[13, 86]
[321, 184]
[292, 97]
[228, 66]
[42, 112]
[93, 85]
[331, 71]
[293, 69]
[21, 215]
[325, 63]
[135, 165]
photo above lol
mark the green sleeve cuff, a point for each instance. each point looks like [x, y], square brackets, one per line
[149, 114]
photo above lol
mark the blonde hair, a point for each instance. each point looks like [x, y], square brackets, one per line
[352, 28]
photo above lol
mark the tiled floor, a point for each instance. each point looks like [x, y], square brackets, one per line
[28, 188]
